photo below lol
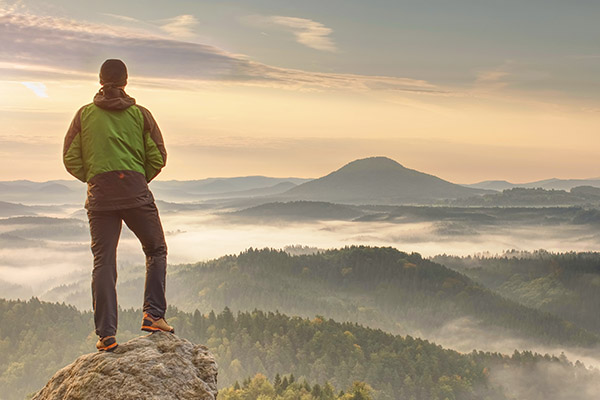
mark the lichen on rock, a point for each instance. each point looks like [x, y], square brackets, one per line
[158, 366]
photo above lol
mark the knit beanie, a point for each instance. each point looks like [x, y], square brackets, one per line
[113, 73]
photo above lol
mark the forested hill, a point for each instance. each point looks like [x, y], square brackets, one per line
[535, 197]
[379, 287]
[567, 285]
[38, 338]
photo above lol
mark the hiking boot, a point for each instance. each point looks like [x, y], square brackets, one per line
[107, 343]
[151, 324]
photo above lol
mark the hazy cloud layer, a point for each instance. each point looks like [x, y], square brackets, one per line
[34, 47]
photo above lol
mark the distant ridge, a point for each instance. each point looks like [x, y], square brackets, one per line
[12, 209]
[379, 180]
[548, 184]
[222, 188]
[493, 185]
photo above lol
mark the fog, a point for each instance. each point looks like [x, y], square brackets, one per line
[543, 380]
[548, 381]
[41, 257]
[35, 258]
[466, 334]
[202, 236]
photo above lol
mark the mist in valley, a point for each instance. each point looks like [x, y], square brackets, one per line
[51, 259]
[39, 256]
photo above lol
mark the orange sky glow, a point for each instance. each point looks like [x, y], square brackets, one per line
[238, 116]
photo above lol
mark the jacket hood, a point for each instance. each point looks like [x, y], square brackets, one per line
[112, 98]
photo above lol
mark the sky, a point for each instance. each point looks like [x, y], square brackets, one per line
[466, 90]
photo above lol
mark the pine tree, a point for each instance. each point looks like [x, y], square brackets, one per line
[306, 385]
[277, 383]
[316, 391]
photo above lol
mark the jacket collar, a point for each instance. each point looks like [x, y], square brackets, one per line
[113, 98]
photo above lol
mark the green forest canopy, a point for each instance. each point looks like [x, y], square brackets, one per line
[38, 338]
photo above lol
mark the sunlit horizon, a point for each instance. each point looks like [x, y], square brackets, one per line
[295, 93]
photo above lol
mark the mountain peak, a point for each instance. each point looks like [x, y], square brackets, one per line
[373, 163]
[378, 180]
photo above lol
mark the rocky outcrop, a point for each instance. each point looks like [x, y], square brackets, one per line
[158, 366]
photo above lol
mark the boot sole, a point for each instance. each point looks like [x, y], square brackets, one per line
[108, 349]
[153, 329]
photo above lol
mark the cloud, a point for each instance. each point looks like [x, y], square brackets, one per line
[308, 32]
[11, 6]
[123, 18]
[493, 79]
[37, 48]
[36, 87]
[491, 76]
[180, 27]
[53, 44]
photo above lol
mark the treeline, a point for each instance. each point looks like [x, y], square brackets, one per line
[38, 338]
[528, 197]
[259, 387]
[564, 284]
[321, 350]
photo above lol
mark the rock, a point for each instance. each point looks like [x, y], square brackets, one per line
[158, 366]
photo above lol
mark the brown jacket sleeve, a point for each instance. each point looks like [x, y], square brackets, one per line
[155, 151]
[72, 155]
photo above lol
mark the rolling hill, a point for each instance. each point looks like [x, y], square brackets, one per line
[12, 209]
[380, 287]
[222, 188]
[548, 184]
[565, 284]
[527, 197]
[51, 192]
[379, 180]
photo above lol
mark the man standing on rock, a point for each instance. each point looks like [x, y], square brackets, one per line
[115, 146]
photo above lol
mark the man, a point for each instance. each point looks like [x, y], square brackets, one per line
[116, 147]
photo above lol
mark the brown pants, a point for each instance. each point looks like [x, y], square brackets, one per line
[105, 229]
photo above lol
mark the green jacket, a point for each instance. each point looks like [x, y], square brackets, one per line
[117, 148]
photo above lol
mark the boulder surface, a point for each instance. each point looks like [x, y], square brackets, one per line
[158, 366]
